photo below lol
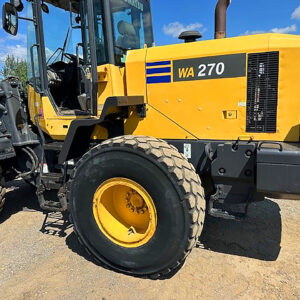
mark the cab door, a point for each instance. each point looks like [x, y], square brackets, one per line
[37, 79]
[89, 67]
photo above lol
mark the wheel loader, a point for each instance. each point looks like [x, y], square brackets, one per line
[139, 143]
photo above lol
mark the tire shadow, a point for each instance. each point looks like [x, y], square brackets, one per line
[73, 244]
[20, 196]
[257, 236]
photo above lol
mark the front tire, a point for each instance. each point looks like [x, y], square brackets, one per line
[156, 172]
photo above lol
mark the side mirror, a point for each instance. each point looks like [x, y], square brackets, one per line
[10, 19]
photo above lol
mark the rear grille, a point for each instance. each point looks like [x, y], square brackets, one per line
[262, 92]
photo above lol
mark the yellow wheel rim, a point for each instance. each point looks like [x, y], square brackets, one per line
[125, 212]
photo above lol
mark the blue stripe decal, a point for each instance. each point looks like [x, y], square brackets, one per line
[159, 70]
[159, 79]
[159, 63]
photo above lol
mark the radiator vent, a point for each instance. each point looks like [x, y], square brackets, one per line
[262, 92]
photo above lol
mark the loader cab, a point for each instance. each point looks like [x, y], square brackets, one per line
[69, 39]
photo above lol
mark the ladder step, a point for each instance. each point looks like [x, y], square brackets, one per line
[54, 177]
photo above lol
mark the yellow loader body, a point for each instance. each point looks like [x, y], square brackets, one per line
[195, 103]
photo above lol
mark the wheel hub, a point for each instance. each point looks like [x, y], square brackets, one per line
[124, 212]
[135, 202]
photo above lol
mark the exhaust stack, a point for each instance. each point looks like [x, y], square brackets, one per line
[220, 18]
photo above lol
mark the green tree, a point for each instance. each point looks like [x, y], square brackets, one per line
[15, 67]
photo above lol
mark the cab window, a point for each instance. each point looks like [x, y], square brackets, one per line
[131, 25]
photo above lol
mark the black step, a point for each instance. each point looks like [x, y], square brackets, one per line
[54, 146]
[219, 213]
[52, 180]
[55, 177]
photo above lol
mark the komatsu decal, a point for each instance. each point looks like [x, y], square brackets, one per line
[136, 4]
[212, 67]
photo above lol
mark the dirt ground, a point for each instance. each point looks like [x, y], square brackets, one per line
[258, 258]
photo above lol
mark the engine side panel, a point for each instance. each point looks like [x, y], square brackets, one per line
[203, 87]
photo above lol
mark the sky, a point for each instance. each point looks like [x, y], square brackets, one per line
[170, 17]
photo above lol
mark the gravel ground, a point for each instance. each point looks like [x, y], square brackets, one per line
[258, 258]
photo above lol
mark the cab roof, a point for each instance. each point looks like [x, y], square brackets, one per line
[64, 4]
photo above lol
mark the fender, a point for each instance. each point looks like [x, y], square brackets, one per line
[78, 138]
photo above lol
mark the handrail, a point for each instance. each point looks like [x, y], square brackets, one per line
[32, 63]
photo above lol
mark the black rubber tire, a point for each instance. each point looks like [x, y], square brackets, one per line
[174, 187]
[2, 197]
